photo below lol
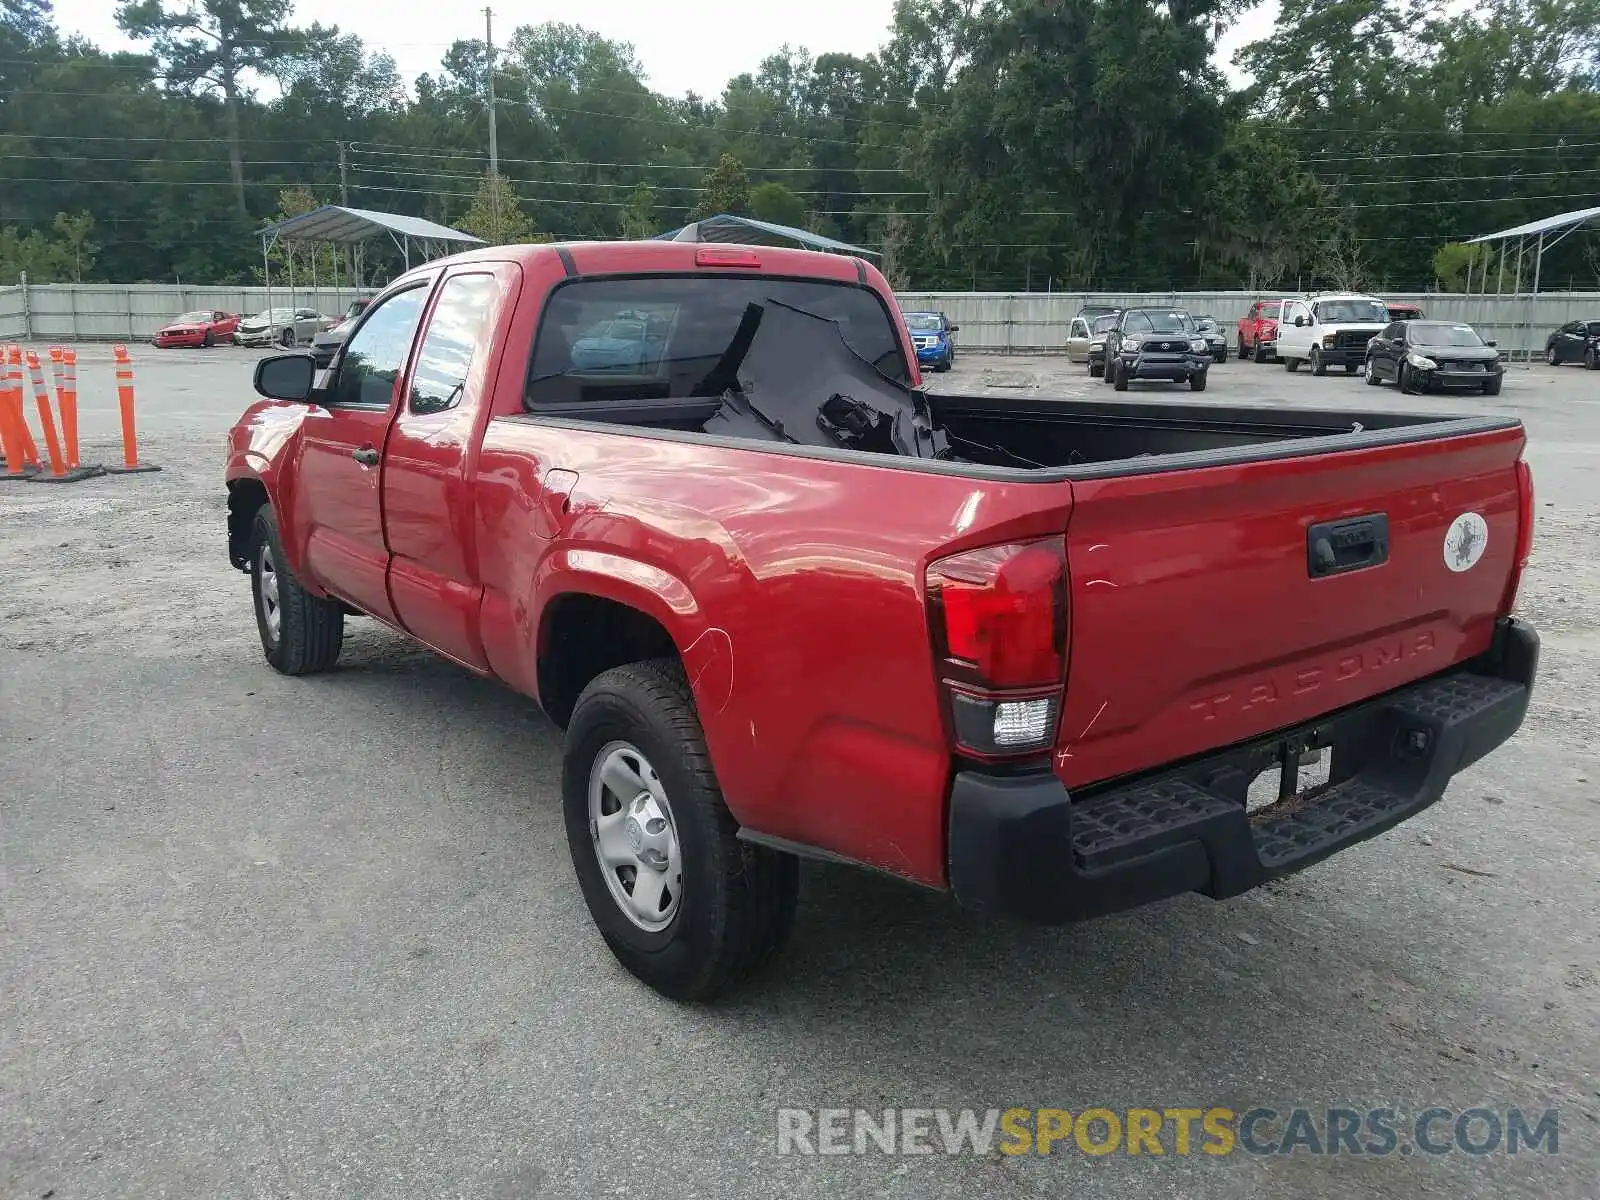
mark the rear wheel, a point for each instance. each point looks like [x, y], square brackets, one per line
[1318, 367]
[680, 900]
[286, 339]
[301, 634]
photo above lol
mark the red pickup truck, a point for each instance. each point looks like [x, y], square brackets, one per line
[1258, 330]
[693, 500]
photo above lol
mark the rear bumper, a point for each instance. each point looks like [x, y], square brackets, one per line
[1022, 846]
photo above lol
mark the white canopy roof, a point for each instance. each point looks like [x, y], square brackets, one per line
[1546, 225]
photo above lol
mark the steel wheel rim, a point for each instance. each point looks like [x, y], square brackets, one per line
[634, 837]
[267, 589]
[1550, 355]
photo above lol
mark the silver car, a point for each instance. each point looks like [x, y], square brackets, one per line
[281, 327]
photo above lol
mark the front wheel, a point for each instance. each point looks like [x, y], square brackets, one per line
[301, 634]
[1407, 383]
[287, 339]
[1291, 365]
[1197, 382]
[1491, 387]
[680, 900]
[1589, 361]
[1096, 371]
[1257, 354]
[1372, 376]
[1350, 368]
[1119, 376]
[1551, 356]
[1318, 367]
[211, 340]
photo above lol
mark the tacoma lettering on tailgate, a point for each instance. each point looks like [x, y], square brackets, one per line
[1269, 689]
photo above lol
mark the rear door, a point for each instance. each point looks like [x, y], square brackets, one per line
[429, 502]
[336, 495]
[1203, 612]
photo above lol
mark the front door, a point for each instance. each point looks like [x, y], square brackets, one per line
[429, 504]
[338, 501]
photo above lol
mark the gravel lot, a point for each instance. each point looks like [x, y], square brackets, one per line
[266, 937]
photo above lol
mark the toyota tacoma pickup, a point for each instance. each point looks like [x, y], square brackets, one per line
[1042, 654]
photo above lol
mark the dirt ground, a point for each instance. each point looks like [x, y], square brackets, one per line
[270, 937]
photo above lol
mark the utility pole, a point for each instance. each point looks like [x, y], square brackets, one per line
[344, 178]
[494, 145]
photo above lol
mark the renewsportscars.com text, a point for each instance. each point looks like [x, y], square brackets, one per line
[1218, 1132]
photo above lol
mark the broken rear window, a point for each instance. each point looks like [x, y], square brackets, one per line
[660, 337]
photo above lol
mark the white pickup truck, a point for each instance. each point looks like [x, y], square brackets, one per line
[1329, 331]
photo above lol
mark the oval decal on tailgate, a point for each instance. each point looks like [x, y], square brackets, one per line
[1464, 541]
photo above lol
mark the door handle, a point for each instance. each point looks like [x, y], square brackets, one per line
[367, 456]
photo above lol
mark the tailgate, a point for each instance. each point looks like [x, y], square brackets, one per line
[1198, 617]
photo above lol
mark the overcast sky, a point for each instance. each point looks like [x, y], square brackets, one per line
[690, 45]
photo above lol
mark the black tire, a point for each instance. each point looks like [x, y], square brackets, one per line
[1589, 362]
[1291, 365]
[210, 340]
[1257, 353]
[1095, 372]
[288, 339]
[1197, 381]
[1350, 368]
[1372, 378]
[1491, 387]
[1552, 356]
[1318, 367]
[738, 901]
[1407, 387]
[310, 630]
[1119, 376]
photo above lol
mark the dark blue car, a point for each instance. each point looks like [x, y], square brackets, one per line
[930, 334]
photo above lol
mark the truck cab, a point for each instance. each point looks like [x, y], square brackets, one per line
[1329, 331]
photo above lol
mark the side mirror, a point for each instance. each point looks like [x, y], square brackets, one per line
[1491, 343]
[955, 328]
[285, 377]
[1299, 322]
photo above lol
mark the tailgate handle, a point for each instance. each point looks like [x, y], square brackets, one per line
[1334, 547]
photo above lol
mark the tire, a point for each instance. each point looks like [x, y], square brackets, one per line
[737, 901]
[1407, 388]
[1119, 376]
[1197, 381]
[1257, 353]
[1372, 379]
[309, 630]
[288, 339]
[210, 340]
[1095, 372]
[1291, 365]
[1491, 387]
[1350, 368]
[1318, 367]
[1551, 356]
[1589, 362]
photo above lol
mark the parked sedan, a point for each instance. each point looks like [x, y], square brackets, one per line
[1215, 338]
[280, 326]
[1576, 341]
[203, 327]
[1423, 356]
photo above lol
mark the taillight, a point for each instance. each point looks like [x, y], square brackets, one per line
[999, 618]
[726, 256]
[1524, 549]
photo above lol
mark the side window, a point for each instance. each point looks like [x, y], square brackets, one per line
[1395, 331]
[446, 353]
[1079, 328]
[376, 353]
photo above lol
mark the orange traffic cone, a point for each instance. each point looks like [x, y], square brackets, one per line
[22, 456]
[58, 472]
[130, 439]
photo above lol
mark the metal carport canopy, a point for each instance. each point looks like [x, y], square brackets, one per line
[1545, 225]
[336, 223]
[726, 227]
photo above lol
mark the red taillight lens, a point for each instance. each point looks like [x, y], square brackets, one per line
[726, 256]
[1524, 549]
[1000, 634]
[1004, 612]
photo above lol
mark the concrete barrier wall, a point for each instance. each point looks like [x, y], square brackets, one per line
[991, 322]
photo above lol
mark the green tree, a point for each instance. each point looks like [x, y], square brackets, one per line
[210, 46]
[496, 214]
[1453, 262]
[776, 203]
[725, 189]
[33, 254]
[639, 218]
[74, 230]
